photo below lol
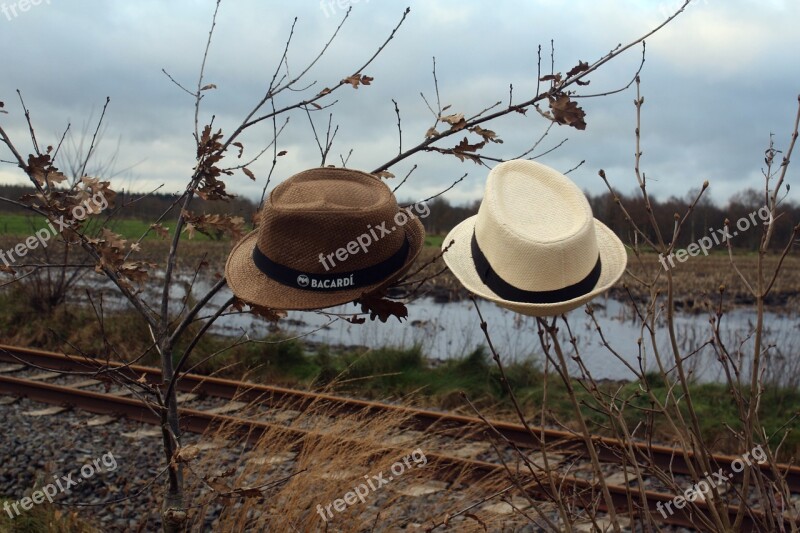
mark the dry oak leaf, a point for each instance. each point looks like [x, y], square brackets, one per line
[267, 313]
[160, 230]
[355, 80]
[455, 120]
[382, 308]
[582, 66]
[565, 111]
[187, 453]
[488, 135]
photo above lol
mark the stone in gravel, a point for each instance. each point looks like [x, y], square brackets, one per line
[470, 450]
[408, 437]
[278, 458]
[215, 444]
[618, 478]
[338, 475]
[47, 411]
[101, 420]
[227, 408]
[185, 397]
[603, 523]
[429, 487]
[44, 376]
[142, 433]
[553, 459]
[505, 508]
[86, 383]
[285, 415]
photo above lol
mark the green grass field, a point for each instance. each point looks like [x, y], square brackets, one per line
[434, 241]
[131, 229]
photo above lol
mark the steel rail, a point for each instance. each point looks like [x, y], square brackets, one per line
[581, 491]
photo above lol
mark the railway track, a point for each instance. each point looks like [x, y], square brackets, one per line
[579, 490]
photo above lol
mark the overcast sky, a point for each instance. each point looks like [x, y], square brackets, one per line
[717, 81]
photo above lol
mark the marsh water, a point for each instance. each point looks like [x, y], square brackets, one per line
[447, 330]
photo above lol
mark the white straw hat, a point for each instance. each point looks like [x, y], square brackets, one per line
[534, 246]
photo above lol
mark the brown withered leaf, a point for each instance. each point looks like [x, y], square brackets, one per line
[488, 135]
[7, 269]
[272, 315]
[355, 80]
[136, 271]
[565, 111]
[465, 150]
[456, 121]
[209, 153]
[208, 87]
[582, 66]
[186, 454]
[249, 173]
[2, 105]
[355, 319]
[41, 169]
[244, 492]
[324, 91]
[190, 230]
[214, 480]
[282, 153]
[555, 78]
[240, 146]
[160, 230]
[431, 133]
[214, 226]
[238, 305]
[384, 174]
[382, 308]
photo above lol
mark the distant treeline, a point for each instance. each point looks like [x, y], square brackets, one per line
[143, 206]
[706, 218]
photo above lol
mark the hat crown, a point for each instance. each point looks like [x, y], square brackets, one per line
[536, 227]
[321, 210]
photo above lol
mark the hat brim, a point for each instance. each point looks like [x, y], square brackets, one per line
[458, 257]
[253, 286]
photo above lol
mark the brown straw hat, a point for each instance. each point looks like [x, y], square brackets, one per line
[326, 236]
[534, 247]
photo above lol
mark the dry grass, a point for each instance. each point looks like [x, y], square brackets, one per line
[279, 482]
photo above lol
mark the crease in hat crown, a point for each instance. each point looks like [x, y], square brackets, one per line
[323, 209]
[536, 227]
